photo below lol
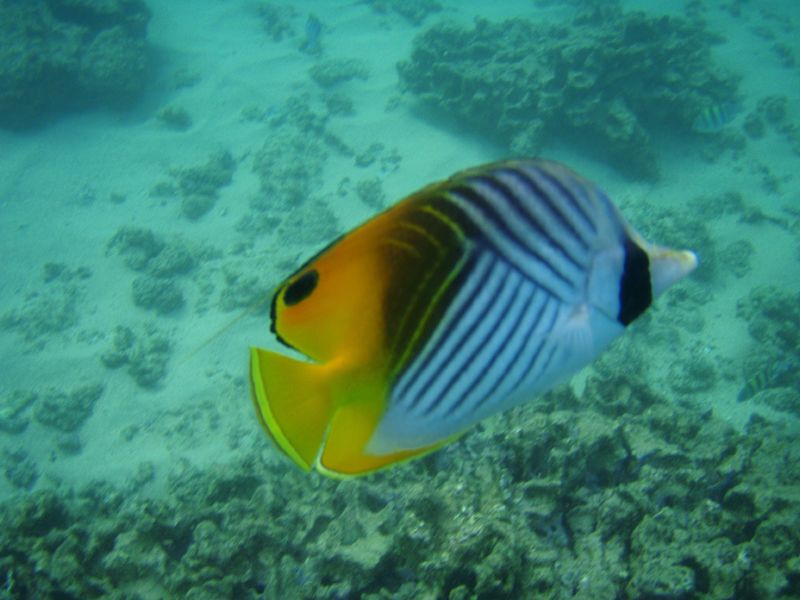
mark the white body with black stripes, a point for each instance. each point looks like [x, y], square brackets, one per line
[555, 274]
[464, 299]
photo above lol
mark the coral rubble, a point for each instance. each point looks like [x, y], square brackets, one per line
[67, 411]
[290, 168]
[175, 117]
[329, 73]
[64, 55]
[51, 308]
[161, 295]
[567, 499]
[144, 351]
[608, 81]
[14, 410]
[414, 11]
[199, 186]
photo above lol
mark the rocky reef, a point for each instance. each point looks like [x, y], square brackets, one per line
[59, 56]
[67, 411]
[163, 266]
[608, 81]
[329, 73]
[289, 203]
[616, 493]
[199, 186]
[414, 11]
[772, 376]
[51, 308]
[145, 352]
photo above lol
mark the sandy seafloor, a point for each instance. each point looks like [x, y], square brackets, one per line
[57, 183]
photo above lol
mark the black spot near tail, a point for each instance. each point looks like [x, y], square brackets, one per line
[635, 289]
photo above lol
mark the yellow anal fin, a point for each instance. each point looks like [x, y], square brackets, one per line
[346, 454]
[293, 403]
[320, 420]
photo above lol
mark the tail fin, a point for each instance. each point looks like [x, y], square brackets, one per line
[668, 266]
[293, 403]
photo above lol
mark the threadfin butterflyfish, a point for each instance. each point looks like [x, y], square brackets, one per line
[469, 297]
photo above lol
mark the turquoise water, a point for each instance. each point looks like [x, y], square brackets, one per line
[165, 165]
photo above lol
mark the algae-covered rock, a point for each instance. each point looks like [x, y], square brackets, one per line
[118, 354]
[774, 109]
[608, 80]
[134, 556]
[328, 73]
[289, 164]
[145, 352]
[19, 469]
[14, 407]
[276, 19]
[736, 258]
[51, 308]
[415, 11]
[65, 55]
[174, 117]
[339, 104]
[308, 227]
[174, 259]
[370, 192]
[147, 362]
[786, 399]
[194, 206]
[161, 261]
[693, 375]
[773, 318]
[289, 167]
[69, 444]
[572, 499]
[370, 155]
[241, 290]
[163, 296]
[136, 245]
[67, 411]
[199, 186]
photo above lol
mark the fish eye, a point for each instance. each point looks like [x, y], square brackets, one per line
[301, 288]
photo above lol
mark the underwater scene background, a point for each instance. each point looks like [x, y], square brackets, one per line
[165, 164]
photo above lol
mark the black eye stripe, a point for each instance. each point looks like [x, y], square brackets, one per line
[301, 288]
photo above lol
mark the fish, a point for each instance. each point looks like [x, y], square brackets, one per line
[312, 44]
[771, 376]
[714, 118]
[471, 296]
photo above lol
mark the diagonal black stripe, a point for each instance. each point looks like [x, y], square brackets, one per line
[408, 377]
[489, 212]
[530, 218]
[457, 319]
[523, 343]
[479, 376]
[563, 191]
[480, 344]
[551, 353]
[477, 404]
[535, 356]
[417, 278]
[552, 205]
